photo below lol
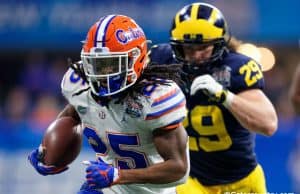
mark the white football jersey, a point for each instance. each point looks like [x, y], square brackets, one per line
[121, 131]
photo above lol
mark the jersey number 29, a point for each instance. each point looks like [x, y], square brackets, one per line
[208, 122]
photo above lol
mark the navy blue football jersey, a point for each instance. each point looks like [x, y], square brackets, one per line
[221, 149]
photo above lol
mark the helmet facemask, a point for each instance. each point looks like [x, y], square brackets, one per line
[218, 44]
[199, 24]
[109, 73]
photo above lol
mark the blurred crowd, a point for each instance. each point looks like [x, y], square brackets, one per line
[30, 97]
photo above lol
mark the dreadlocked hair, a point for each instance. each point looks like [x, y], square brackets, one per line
[156, 74]
[165, 72]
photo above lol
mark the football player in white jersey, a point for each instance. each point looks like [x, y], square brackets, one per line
[130, 114]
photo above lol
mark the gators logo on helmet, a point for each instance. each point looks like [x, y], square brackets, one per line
[114, 54]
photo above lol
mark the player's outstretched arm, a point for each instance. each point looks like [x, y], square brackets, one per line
[254, 111]
[172, 146]
[251, 107]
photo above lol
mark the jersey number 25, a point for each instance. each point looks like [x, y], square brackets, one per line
[122, 145]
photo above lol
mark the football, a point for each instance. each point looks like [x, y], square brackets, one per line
[62, 142]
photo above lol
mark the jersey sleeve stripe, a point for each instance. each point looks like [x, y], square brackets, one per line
[171, 127]
[163, 112]
[166, 97]
[174, 124]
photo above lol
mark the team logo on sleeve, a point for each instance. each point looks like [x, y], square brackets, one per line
[102, 115]
[82, 109]
[222, 75]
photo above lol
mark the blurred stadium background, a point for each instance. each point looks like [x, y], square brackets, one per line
[37, 37]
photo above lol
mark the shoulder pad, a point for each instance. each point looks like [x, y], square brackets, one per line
[246, 73]
[72, 83]
[167, 107]
[162, 54]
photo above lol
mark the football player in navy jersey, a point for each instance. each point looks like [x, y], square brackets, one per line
[225, 102]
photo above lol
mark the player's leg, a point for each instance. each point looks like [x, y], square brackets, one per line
[253, 183]
[258, 180]
[192, 186]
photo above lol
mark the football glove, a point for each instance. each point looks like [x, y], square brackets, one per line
[36, 157]
[210, 87]
[100, 175]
